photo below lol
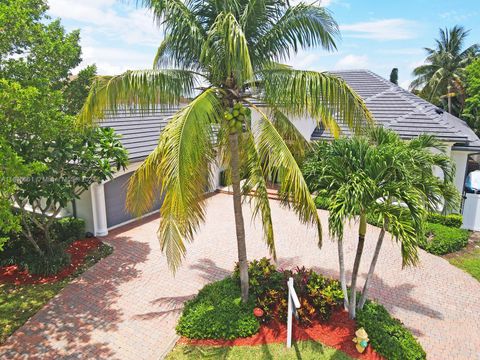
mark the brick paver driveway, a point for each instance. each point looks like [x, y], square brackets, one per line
[127, 305]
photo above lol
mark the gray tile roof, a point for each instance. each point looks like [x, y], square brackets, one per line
[391, 106]
[399, 110]
[139, 132]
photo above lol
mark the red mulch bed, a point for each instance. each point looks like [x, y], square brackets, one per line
[337, 333]
[78, 250]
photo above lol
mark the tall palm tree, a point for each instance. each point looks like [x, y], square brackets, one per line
[441, 75]
[386, 180]
[226, 54]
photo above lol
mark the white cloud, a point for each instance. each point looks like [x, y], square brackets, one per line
[387, 29]
[352, 62]
[136, 26]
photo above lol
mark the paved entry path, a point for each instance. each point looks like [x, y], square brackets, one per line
[126, 306]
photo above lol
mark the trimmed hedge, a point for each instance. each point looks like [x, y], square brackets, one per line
[450, 220]
[217, 312]
[443, 240]
[387, 335]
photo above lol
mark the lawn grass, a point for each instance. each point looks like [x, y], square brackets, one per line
[20, 302]
[468, 261]
[305, 350]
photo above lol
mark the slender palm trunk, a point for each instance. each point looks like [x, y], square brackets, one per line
[363, 298]
[449, 98]
[239, 223]
[356, 265]
[343, 280]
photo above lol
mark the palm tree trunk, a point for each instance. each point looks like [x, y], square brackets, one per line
[239, 223]
[449, 98]
[363, 298]
[362, 229]
[343, 280]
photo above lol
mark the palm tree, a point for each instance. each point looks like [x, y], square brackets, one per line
[441, 75]
[226, 54]
[386, 180]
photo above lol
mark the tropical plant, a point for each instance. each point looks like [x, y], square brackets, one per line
[383, 178]
[394, 76]
[471, 113]
[440, 78]
[230, 49]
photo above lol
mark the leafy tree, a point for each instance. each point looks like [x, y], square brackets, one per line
[471, 112]
[77, 89]
[67, 162]
[440, 77]
[12, 168]
[34, 51]
[231, 49]
[385, 180]
[394, 76]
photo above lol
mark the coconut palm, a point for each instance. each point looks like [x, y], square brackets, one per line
[386, 180]
[225, 54]
[441, 75]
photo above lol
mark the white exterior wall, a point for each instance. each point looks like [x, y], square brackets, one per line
[460, 159]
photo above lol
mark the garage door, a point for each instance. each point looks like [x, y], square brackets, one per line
[115, 196]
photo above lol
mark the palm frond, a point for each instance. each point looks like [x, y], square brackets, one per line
[256, 182]
[182, 161]
[294, 191]
[326, 98]
[301, 26]
[143, 89]
[227, 51]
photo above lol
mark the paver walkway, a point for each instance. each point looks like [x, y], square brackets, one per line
[126, 306]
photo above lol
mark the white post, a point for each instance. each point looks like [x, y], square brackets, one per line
[293, 305]
[99, 210]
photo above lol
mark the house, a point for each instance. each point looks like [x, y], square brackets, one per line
[103, 205]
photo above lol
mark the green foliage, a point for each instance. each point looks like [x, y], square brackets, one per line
[440, 80]
[450, 220]
[387, 335]
[19, 250]
[322, 202]
[76, 90]
[442, 239]
[68, 229]
[232, 48]
[318, 295]
[471, 112]
[394, 76]
[35, 51]
[217, 312]
[468, 261]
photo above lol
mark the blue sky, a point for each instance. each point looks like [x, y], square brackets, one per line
[377, 35]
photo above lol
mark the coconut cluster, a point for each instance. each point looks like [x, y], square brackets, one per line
[236, 116]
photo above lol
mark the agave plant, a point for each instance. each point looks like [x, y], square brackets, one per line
[222, 56]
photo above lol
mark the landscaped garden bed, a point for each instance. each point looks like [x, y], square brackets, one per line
[23, 294]
[216, 320]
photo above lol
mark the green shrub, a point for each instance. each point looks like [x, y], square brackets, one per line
[450, 220]
[441, 239]
[69, 229]
[217, 312]
[387, 335]
[318, 295]
[322, 202]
